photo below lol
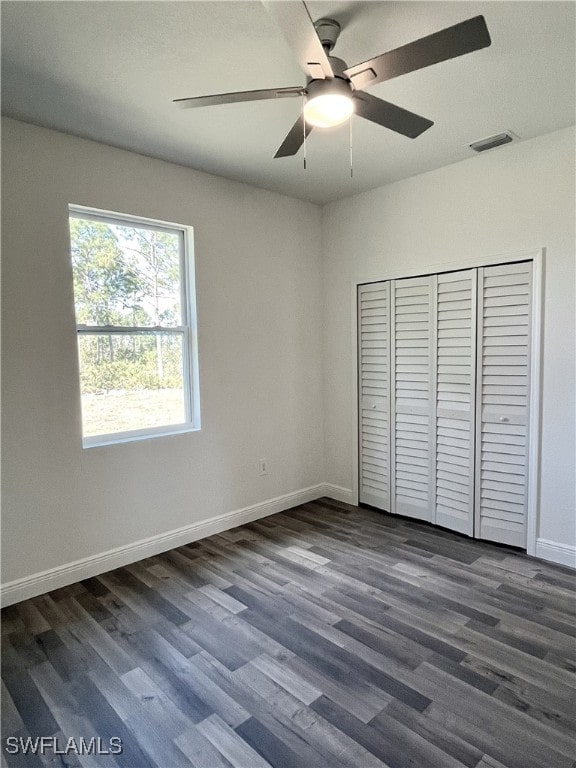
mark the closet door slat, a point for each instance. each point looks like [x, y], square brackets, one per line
[455, 401]
[374, 391]
[502, 402]
[413, 353]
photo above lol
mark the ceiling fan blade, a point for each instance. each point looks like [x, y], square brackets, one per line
[390, 116]
[232, 98]
[298, 29]
[465, 37]
[294, 139]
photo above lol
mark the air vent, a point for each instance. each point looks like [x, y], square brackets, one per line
[492, 141]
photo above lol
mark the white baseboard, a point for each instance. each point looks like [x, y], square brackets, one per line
[339, 493]
[62, 576]
[563, 554]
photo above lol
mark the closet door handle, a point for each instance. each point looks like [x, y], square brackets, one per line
[504, 419]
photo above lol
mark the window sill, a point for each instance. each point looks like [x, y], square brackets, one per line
[98, 441]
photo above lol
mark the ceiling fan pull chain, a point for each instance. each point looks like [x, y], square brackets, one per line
[304, 127]
[351, 166]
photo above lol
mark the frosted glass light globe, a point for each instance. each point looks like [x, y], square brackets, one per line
[328, 109]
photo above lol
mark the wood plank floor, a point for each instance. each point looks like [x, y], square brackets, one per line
[321, 637]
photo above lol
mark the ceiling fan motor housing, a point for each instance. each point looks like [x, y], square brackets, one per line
[338, 67]
[338, 86]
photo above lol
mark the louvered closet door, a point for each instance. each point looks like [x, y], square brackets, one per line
[413, 396]
[374, 384]
[504, 319]
[455, 400]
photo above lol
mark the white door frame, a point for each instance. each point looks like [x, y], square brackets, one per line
[537, 256]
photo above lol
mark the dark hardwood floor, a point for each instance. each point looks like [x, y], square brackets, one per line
[321, 637]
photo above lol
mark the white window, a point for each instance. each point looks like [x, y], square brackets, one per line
[136, 325]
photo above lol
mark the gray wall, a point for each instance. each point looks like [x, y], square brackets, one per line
[275, 311]
[258, 289]
[514, 199]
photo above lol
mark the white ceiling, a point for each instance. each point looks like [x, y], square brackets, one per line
[109, 70]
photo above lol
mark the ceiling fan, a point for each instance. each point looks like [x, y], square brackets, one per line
[333, 90]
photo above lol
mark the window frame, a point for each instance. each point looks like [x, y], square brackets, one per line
[187, 330]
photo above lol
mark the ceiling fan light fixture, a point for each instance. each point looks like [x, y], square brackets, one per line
[328, 103]
[328, 110]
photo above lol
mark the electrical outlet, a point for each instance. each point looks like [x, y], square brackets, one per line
[262, 467]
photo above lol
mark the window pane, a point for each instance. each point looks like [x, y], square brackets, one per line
[125, 275]
[131, 381]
